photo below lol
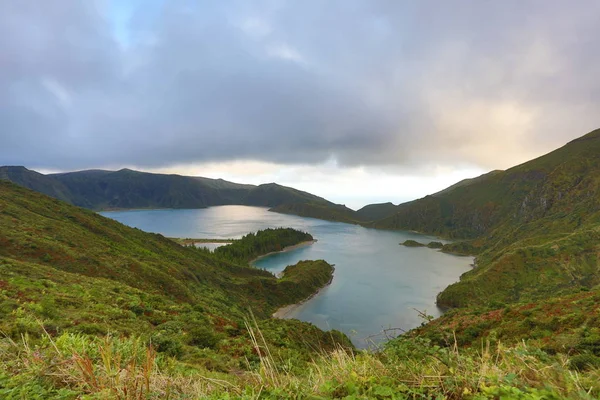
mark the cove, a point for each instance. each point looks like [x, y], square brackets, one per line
[377, 284]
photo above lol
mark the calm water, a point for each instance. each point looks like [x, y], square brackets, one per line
[377, 283]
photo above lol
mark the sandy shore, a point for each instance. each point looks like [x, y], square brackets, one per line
[284, 311]
[289, 248]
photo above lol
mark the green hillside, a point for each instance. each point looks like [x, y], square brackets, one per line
[49, 246]
[36, 181]
[541, 188]
[534, 227]
[467, 182]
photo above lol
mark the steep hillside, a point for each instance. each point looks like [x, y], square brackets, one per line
[467, 182]
[35, 181]
[382, 211]
[542, 188]
[39, 230]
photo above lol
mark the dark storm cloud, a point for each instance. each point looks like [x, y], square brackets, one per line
[363, 82]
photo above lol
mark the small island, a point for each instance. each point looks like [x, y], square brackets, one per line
[412, 243]
[261, 243]
[301, 282]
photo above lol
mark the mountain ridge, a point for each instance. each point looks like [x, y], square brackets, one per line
[469, 211]
[129, 189]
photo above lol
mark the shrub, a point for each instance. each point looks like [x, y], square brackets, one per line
[203, 337]
[26, 326]
[168, 344]
[170, 328]
[89, 329]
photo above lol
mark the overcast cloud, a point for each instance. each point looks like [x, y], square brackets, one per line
[398, 84]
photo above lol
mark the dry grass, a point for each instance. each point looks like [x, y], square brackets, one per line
[106, 370]
[129, 370]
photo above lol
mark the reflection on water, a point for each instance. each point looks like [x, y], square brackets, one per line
[377, 284]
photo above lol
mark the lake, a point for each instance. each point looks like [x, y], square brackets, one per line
[377, 283]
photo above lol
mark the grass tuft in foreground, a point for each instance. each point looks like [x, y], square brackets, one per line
[407, 368]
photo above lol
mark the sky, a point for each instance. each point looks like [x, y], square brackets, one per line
[358, 101]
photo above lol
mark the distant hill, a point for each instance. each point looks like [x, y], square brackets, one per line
[374, 212]
[123, 189]
[128, 189]
[329, 212]
[273, 195]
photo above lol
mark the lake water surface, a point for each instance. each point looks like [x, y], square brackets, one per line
[377, 283]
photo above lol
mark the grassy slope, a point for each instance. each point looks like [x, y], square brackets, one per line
[568, 324]
[272, 195]
[287, 200]
[48, 232]
[43, 231]
[77, 271]
[467, 182]
[35, 181]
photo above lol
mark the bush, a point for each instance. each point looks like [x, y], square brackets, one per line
[89, 329]
[26, 326]
[203, 337]
[7, 307]
[170, 328]
[139, 309]
[168, 344]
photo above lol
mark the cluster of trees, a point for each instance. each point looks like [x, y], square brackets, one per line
[262, 242]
